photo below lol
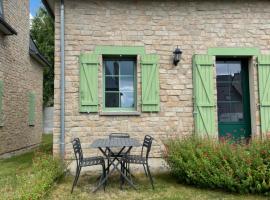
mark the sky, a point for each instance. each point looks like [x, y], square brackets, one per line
[34, 6]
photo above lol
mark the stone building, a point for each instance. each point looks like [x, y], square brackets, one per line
[21, 78]
[119, 74]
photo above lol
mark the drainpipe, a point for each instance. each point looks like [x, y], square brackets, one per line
[62, 81]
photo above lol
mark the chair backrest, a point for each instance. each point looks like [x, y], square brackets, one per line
[119, 135]
[77, 150]
[147, 144]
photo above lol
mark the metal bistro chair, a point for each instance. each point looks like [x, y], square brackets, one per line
[143, 158]
[84, 162]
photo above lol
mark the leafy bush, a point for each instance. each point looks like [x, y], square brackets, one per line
[36, 183]
[234, 167]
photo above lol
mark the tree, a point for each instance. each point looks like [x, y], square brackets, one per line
[42, 31]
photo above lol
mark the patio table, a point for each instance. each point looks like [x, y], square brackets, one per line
[124, 145]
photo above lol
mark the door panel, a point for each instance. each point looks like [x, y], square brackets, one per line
[233, 98]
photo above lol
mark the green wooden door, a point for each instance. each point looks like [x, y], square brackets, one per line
[233, 98]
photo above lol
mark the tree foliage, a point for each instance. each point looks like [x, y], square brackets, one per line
[42, 31]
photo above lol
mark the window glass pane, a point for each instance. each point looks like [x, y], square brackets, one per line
[111, 68]
[127, 99]
[224, 112]
[127, 67]
[222, 71]
[223, 91]
[236, 112]
[236, 91]
[230, 112]
[119, 83]
[234, 69]
[111, 83]
[126, 84]
[229, 91]
[112, 99]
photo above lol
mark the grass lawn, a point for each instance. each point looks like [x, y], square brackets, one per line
[15, 166]
[166, 186]
[22, 163]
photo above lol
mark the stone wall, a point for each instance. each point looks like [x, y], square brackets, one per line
[159, 26]
[20, 74]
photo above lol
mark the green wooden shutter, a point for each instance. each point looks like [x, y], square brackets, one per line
[150, 83]
[1, 104]
[264, 92]
[204, 106]
[89, 82]
[32, 106]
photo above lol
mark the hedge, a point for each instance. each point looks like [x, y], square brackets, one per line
[241, 168]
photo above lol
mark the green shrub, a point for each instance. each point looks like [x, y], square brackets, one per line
[234, 167]
[36, 183]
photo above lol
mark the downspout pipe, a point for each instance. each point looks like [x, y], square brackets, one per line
[62, 81]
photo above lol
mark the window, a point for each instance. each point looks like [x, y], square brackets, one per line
[229, 91]
[119, 87]
[119, 83]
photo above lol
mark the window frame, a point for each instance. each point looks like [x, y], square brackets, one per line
[119, 58]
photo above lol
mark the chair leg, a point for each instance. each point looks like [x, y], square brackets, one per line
[130, 174]
[78, 170]
[145, 171]
[124, 171]
[103, 176]
[150, 176]
[121, 178]
[78, 176]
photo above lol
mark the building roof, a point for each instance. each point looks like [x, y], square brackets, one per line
[49, 4]
[35, 53]
[6, 28]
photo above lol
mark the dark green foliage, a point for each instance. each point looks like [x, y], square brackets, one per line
[234, 167]
[42, 31]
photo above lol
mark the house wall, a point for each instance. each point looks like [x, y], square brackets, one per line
[20, 75]
[159, 26]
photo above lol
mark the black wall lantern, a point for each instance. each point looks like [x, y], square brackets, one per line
[177, 56]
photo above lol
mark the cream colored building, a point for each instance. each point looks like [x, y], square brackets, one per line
[119, 76]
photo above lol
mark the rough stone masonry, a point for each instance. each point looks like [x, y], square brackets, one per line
[20, 74]
[159, 26]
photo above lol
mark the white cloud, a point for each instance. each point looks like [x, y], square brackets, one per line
[31, 19]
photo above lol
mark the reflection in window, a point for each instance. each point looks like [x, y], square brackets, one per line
[119, 83]
[229, 91]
